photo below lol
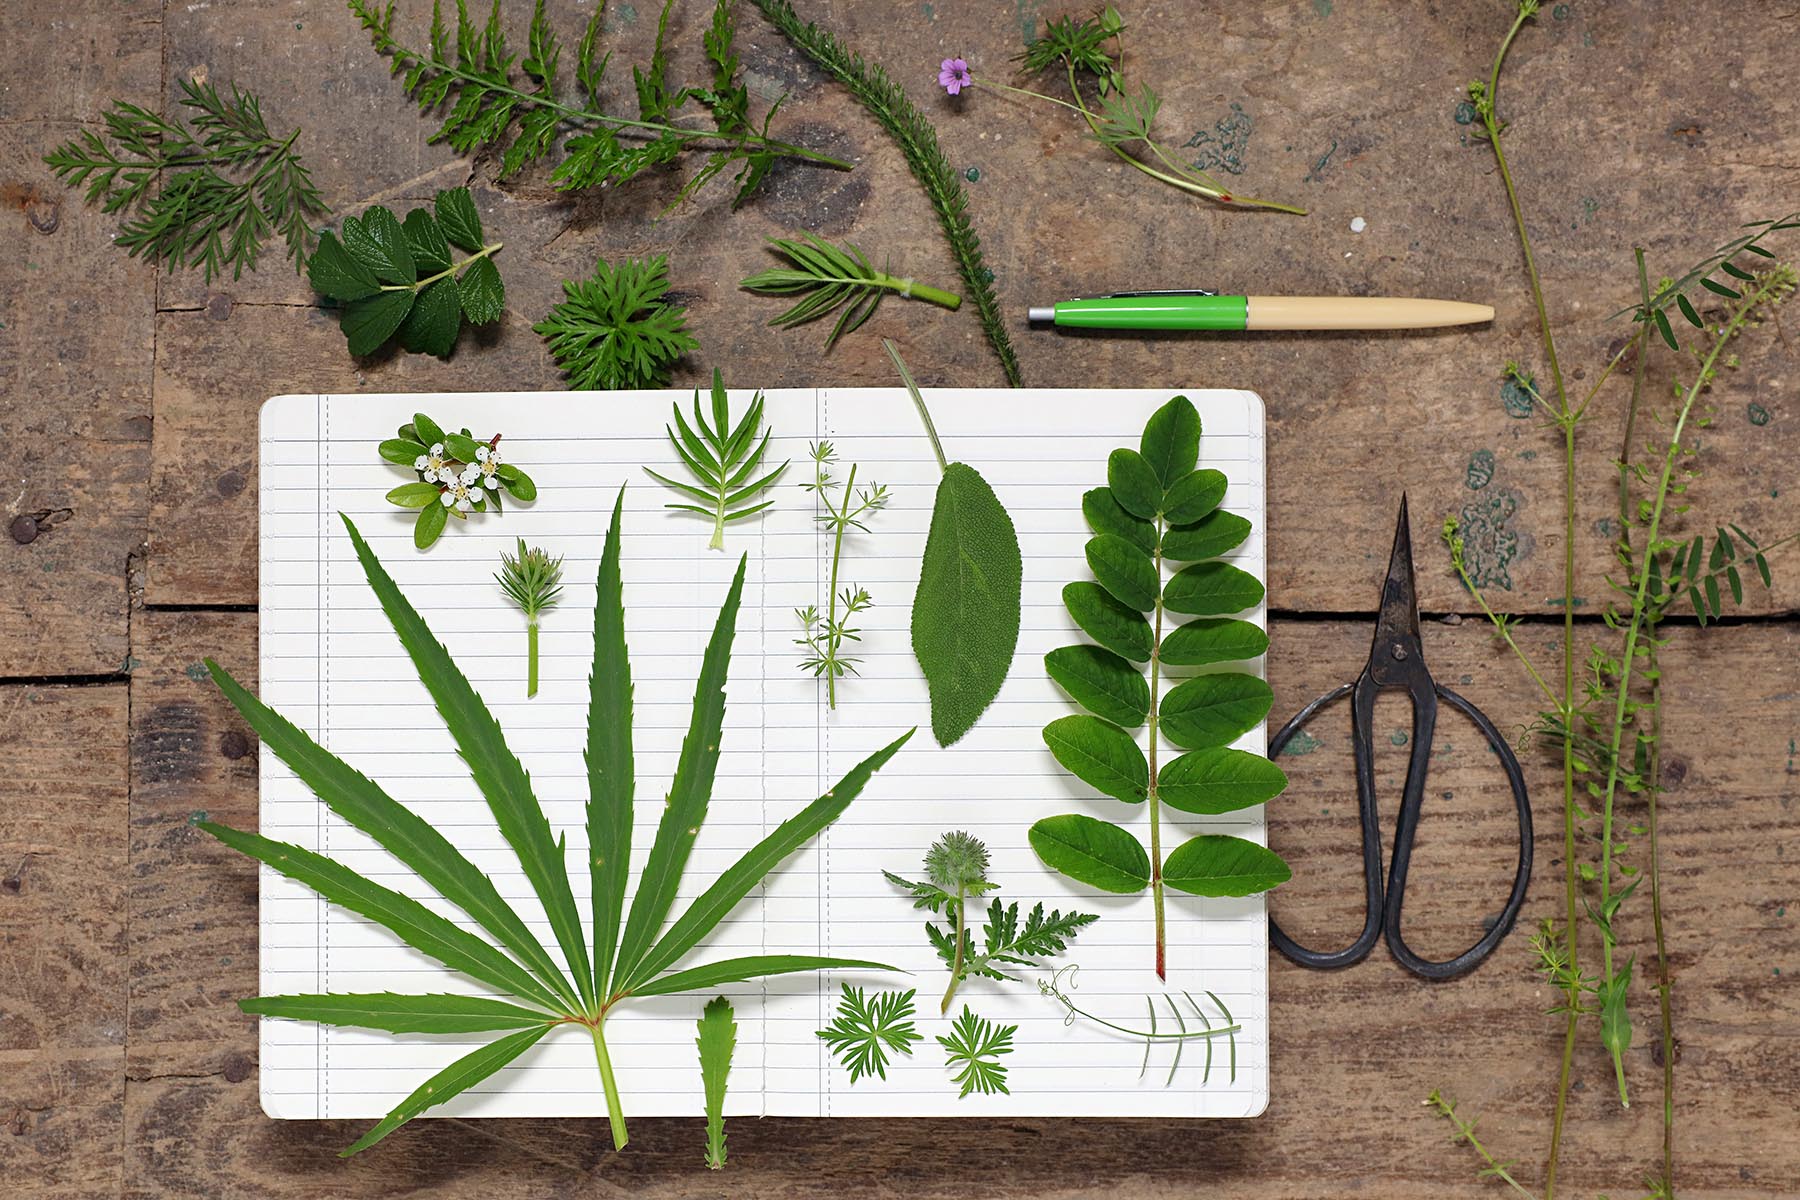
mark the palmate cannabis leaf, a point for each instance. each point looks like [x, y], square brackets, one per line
[228, 184]
[887, 103]
[715, 1036]
[631, 955]
[828, 277]
[615, 330]
[395, 277]
[484, 105]
[722, 457]
[1157, 507]
[966, 610]
[865, 1030]
[972, 1051]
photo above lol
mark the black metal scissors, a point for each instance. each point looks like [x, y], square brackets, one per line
[1396, 661]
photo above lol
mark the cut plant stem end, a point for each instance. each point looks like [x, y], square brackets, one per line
[615, 1111]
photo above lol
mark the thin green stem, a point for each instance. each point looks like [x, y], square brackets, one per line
[531, 656]
[833, 635]
[1152, 796]
[1502, 628]
[452, 270]
[912, 389]
[956, 962]
[1465, 1132]
[615, 1109]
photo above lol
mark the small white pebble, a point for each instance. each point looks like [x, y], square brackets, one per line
[1357, 224]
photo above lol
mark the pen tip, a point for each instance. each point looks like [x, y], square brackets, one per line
[1040, 314]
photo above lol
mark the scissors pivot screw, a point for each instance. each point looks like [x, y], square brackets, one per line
[1399, 652]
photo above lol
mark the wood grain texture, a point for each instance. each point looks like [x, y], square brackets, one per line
[128, 401]
[1356, 1053]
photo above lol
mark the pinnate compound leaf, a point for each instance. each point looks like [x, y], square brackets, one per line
[1193, 496]
[1214, 710]
[1101, 755]
[1092, 851]
[1124, 570]
[1219, 780]
[1101, 682]
[1212, 640]
[715, 1036]
[965, 619]
[461, 222]
[369, 323]
[1134, 484]
[1171, 441]
[1216, 865]
[1209, 589]
[1105, 515]
[1122, 630]
[480, 292]
[454, 1079]
[434, 321]
[1209, 537]
[333, 272]
[434, 1013]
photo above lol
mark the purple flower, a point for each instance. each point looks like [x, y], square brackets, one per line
[953, 76]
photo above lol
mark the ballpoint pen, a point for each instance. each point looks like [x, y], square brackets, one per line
[1209, 310]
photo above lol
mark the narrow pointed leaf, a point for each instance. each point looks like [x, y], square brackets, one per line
[1122, 630]
[1212, 640]
[1214, 710]
[438, 1012]
[1124, 570]
[1216, 865]
[1101, 755]
[1209, 537]
[496, 771]
[1105, 515]
[413, 923]
[754, 966]
[611, 767]
[1209, 589]
[1092, 851]
[716, 903]
[1101, 682]
[1219, 780]
[715, 1036]
[1171, 441]
[397, 829]
[454, 1079]
[688, 793]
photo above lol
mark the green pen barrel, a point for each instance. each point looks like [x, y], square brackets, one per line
[1155, 312]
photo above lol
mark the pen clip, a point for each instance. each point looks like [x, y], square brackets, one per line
[1164, 292]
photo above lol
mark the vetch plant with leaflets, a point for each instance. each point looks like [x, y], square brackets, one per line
[1156, 509]
[620, 955]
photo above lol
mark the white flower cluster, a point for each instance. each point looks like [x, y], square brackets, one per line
[461, 484]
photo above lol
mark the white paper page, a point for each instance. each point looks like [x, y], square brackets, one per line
[331, 663]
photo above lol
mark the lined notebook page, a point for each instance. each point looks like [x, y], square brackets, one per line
[331, 663]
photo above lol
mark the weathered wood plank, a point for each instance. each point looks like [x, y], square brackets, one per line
[63, 955]
[1355, 1052]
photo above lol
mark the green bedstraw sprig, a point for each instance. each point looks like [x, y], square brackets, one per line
[846, 507]
[621, 954]
[887, 103]
[828, 277]
[532, 580]
[228, 184]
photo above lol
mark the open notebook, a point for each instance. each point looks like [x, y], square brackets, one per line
[331, 663]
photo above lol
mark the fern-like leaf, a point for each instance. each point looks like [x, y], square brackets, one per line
[615, 329]
[827, 277]
[972, 1050]
[722, 457]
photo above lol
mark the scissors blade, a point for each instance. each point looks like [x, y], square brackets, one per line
[1397, 625]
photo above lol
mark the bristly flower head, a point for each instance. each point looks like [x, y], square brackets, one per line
[957, 861]
[954, 76]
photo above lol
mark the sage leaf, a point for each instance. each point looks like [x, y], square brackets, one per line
[1214, 710]
[1219, 780]
[435, 1013]
[1212, 589]
[434, 321]
[425, 238]
[414, 495]
[1122, 630]
[431, 522]
[1104, 515]
[1171, 441]
[1092, 851]
[1101, 755]
[1209, 537]
[1124, 570]
[1216, 865]
[454, 1079]
[1101, 682]
[368, 323]
[1213, 640]
[1134, 483]
[1193, 496]
[965, 619]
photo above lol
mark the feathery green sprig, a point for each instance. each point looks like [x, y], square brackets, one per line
[866, 1029]
[972, 1050]
[722, 457]
[615, 330]
[828, 277]
[232, 183]
[887, 103]
[825, 634]
[532, 580]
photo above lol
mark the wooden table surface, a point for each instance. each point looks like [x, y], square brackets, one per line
[127, 431]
